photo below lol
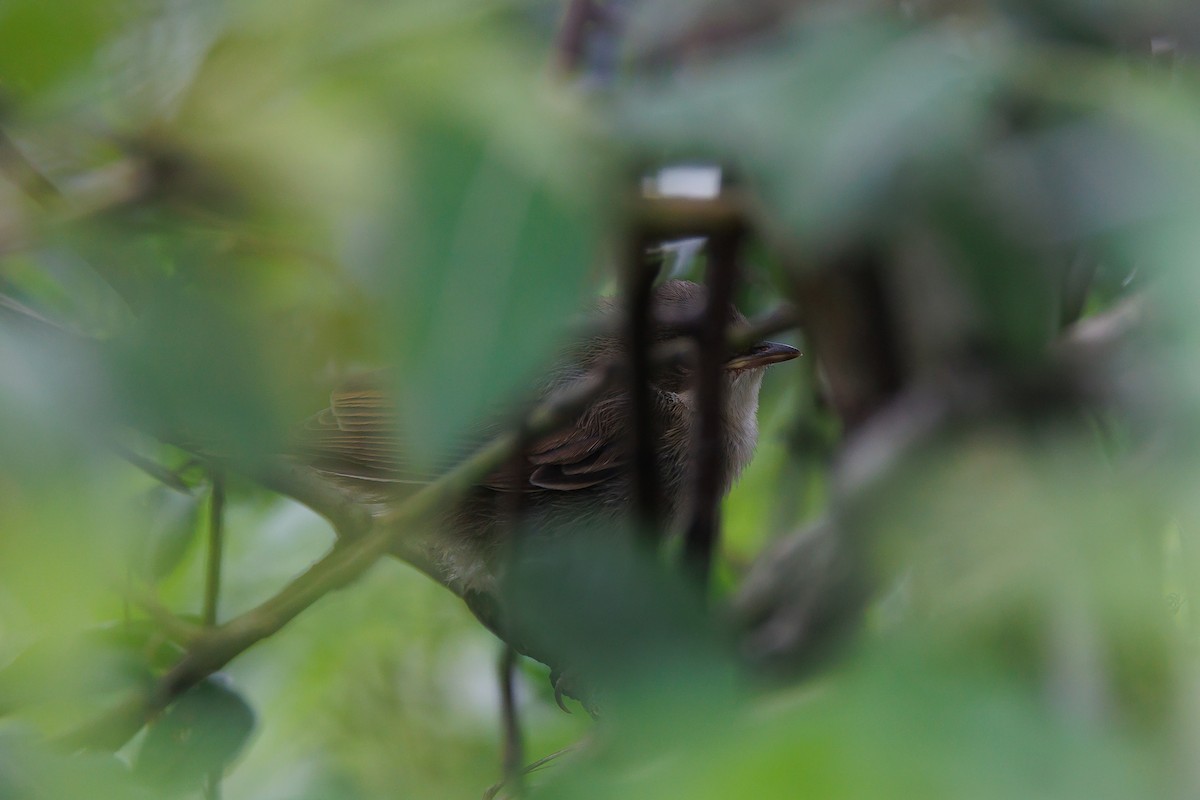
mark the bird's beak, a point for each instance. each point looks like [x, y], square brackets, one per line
[761, 355]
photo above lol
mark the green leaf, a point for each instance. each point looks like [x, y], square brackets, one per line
[73, 671]
[193, 367]
[43, 42]
[826, 126]
[172, 527]
[33, 770]
[489, 264]
[200, 733]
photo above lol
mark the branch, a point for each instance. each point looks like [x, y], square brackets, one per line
[700, 539]
[679, 217]
[638, 293]
[349, 518]
[216, 547]
[178, 630]
[152, 468]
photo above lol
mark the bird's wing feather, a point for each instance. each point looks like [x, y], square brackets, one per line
[584, 454]
[358, 437]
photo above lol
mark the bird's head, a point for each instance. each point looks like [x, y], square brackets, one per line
[677, 311]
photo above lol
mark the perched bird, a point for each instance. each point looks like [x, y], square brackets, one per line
[580, 474]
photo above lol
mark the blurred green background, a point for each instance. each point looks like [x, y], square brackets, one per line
[987, 215]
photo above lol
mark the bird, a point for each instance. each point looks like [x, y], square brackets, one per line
[578, 475]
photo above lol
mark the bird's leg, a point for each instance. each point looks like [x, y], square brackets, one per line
[512, 757]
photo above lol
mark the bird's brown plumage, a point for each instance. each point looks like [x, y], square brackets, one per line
[577, 473]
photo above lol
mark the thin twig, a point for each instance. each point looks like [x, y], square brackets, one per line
[495, 788]
[212, 589]
[216, 544]
[152, 468]
[14, 309]
[179, 631]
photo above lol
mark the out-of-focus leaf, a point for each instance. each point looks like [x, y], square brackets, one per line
[1035, 200]
[488, 267]
[417, 147]
[597, 607]
[68, 34]
[76, 672]
[35, 770]
[894, 726]
[827, 126]
[191, 371]
[1100, 22]
[173, 522]
[1047, 551]
[65, 287]
[200, 733]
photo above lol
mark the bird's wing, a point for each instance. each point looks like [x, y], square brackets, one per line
[579, 456]
[358, 437]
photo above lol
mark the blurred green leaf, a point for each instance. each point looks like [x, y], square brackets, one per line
[830, 128]
[896, 725]
[261, 197]
[33, 770]
[77, 672]
[68, 36]
[199, 733]
[191, 371]
[488, 268]
[593, 602]
[173, 525]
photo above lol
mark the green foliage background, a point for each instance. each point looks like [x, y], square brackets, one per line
[246, 202]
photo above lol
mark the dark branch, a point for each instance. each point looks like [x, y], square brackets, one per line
[639, 293]
[700, 540]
